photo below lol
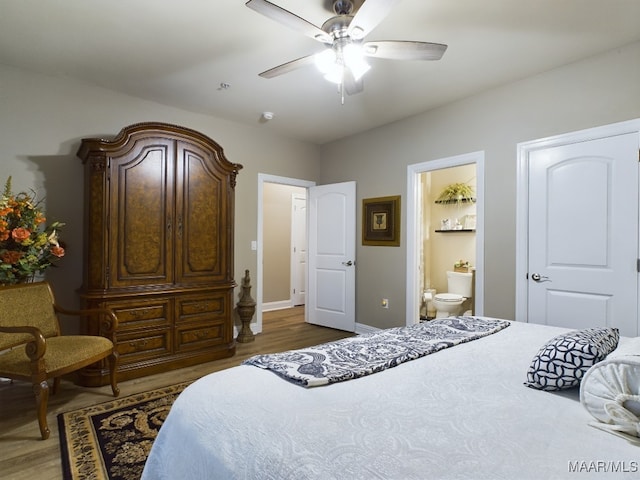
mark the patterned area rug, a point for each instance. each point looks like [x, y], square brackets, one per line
[112, 440]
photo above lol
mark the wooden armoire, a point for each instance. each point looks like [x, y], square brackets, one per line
[158, 246]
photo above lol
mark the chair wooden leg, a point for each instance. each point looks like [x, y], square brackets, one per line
[113, 371]
[41, 391]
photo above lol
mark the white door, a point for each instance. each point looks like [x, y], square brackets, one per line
[583, 234]
[332, 244]
[298, 249]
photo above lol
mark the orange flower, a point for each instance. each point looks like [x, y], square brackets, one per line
[10, 256]
[20, 234]
[5, 233]
[57, 251]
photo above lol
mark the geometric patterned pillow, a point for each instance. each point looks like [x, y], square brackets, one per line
[562, 361]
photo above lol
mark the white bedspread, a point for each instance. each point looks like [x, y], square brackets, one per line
[462, 413]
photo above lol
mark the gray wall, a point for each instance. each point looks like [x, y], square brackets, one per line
[42, 120]
[600, 90]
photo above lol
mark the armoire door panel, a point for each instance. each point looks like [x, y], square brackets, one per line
[200, 241]
[142, 217]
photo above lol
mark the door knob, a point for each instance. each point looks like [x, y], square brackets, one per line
[348, 264]
[536, 277]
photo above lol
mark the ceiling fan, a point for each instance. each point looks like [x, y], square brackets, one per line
[343, 60]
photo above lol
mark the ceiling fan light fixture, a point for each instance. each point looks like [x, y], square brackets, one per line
[359, 70]
[330, 65]
[332, 62]
[326, 60]
[335, 75]
[354, 60]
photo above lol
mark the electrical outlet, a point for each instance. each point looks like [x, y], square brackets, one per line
[384, 303]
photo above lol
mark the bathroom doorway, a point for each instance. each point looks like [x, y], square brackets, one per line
[441, 235]
[448, 226]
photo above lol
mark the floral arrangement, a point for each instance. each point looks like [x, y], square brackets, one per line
[27, 246]
[456, 193]
[461, 266]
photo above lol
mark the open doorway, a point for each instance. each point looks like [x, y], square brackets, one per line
[284, 245]
[448, 236]
[277, 275]
[422, 270]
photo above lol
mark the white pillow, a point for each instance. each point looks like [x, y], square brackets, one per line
[610, 391]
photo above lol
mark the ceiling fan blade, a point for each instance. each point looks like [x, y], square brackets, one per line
[350, 84]
[404, 50]
[289, 66]
[368, 16]
[291, 20]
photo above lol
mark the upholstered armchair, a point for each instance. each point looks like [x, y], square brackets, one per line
[33, 349]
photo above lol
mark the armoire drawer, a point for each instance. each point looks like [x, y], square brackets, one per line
[140, 345]
[142, 315]
[199, 335]
[201, 307]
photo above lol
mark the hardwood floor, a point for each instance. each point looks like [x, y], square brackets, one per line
[23, 455]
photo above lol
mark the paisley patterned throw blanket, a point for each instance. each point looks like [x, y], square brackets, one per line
[362, 355]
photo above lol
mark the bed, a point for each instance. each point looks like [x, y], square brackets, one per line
[461, 412]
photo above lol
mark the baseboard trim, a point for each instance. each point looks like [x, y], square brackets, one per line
[362, 329]
[280, 305]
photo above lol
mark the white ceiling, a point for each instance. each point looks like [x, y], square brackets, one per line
[179, 52]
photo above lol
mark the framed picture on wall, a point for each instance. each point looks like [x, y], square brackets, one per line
[381, 221]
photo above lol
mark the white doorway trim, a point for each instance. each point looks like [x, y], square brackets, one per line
[413, 230]
[522, 196]
[262, 179]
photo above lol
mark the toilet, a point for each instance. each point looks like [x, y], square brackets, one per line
[458, 290]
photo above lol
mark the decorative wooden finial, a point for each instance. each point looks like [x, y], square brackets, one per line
[246, 307]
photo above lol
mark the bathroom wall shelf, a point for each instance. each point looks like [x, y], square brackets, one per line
[455, 201]
[456, 231]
